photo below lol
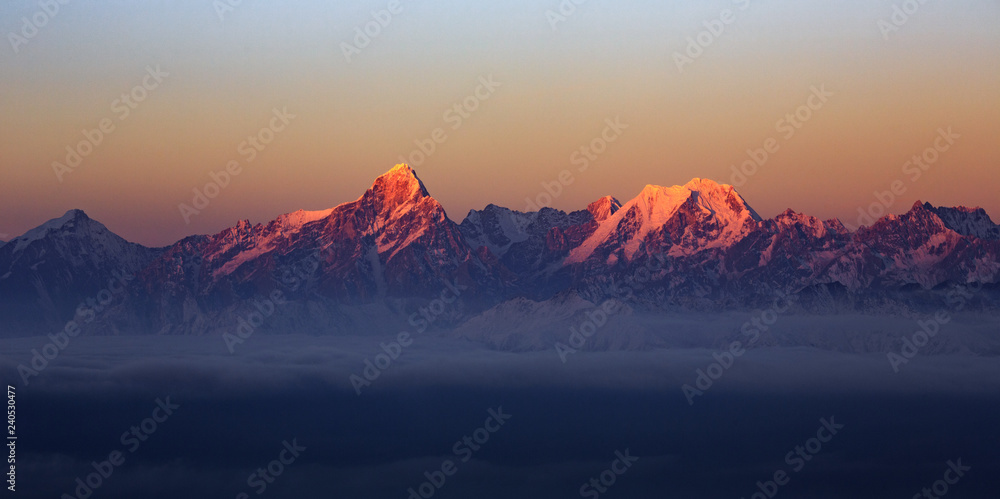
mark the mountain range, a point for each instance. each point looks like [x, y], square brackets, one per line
[394, 260]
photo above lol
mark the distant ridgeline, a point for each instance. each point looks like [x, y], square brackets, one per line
[376, 264]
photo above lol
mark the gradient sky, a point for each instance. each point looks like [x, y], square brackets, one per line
[608, 59]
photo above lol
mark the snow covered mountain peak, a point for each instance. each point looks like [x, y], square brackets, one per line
[398, 187]
[721, 197]
[814, 227]
[708, 196]
[74, 222]
[702, 184]
[401, 173]
[604, 208]
[395, 247]
[46, 271]
[698, 215]
[69, 220]
[967, 221]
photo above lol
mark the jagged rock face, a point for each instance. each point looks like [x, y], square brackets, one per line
[784, 253]
[678, 220]
[50, 271]
[604, 208]
[370, 263]
[967, 221]
[530, 246]
[394, 243]
[720, 253]
[920, 248]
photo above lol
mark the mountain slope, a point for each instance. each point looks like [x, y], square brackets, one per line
[393, 245]
[392, 260]
[677, 220]
[50, 271]
[533, 246]
[967, 221]
[918, 248]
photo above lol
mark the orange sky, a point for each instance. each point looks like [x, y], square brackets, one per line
[353, 120]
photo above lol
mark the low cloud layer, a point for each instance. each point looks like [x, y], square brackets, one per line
[568, 419]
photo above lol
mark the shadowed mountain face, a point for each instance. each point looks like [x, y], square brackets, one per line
[373, 263]
[344, 269]
[67, 267]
